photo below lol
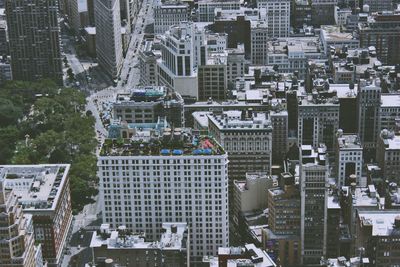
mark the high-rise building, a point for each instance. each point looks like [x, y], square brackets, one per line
[378, 232]
[278, 16]
[349, 152]
[389, 111]
[318, 120]
[314, 174]
[34, 36]
[380, 31]
[246, 137]
[279, 122]
[167, 14]
[323, 12]
[16, 233]
[259, 42]
[108, 36]
[148, 104]
[148, 64]
[207, 8]
[378, 5]
[235, 64]
[169, 176]
[387, 155]
[368, 107]
[212, 78]
[43, 192]
[180, 55]
[282, 237]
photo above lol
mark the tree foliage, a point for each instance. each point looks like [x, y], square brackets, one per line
[42, 123]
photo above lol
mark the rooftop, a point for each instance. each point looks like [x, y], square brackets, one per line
[349, 141]
[173, 238]
[332, 33]
[38, 187]
[236, 120]
[390, 100]
[390, 140]
[177, 142]
[382, 221]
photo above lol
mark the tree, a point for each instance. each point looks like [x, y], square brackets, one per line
[70, 74]
[9, 113]
[8, 138]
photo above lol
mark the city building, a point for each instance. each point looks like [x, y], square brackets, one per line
[212, 78]
[5, 70]
[34, 40]
[246, 137]
[389, 111]
[318, 120]
[282, 238]
[148, 64]
[149, 104]
[349, 152]
[387, 155]
[323, 12]
[236, 64]
[292, 54]
[378, 5]
[167, 14]
[3, 37]
[17, 237]
[43, 192]
[249, 255]
[333, 36]
[378, 232]
[380, 31]
[280, 131]
[250, 194]
[314, 174]
[206, 8]
[180, 56]
[126, 248]
[301, 13]
[108, 36]
[277, 16]
[167, 176]
[368, 107]
[259, 39]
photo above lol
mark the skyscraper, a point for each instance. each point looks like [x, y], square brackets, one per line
[368, 107]
[34, 36]
[108, 36]
[313, 189]
[148, 181]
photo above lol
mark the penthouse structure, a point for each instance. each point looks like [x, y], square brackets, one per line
[148, 105]
[246, 137]
[126, 248]
[43, 192]
[167, 176]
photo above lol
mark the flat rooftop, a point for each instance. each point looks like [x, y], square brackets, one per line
[177, 142]
[349, 141]
[390, 100]
[258, 121]
[38, 187]
[332, 33]
[172, 238]
[382, 221]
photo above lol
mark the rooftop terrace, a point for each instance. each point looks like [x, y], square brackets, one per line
[171, 143]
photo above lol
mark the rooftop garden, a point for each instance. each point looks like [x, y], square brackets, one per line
[199, 145]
